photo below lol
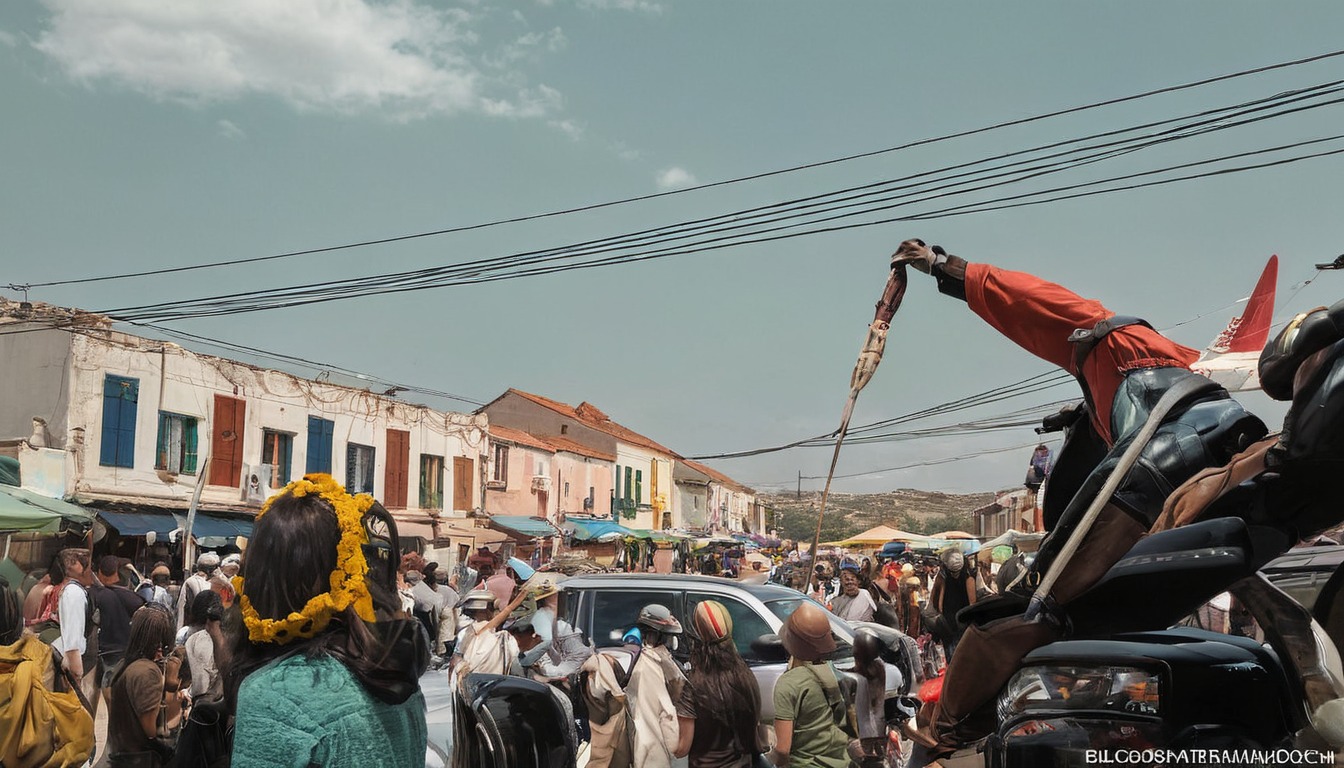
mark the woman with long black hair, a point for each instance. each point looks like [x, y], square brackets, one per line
[720, 705]
[327, 670]
[138, 721]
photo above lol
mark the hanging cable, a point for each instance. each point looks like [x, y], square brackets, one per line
[710, 185]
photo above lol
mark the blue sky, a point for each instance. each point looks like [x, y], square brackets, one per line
[150, 135]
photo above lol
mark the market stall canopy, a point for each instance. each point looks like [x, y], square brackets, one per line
[953, 535]
[218, 527]
[660, 536]
[130, 523]
[1015, 538]
[523, 526]
[596, 530]
[9, 470]
[23, 510]
[482, 537]
[877, 536]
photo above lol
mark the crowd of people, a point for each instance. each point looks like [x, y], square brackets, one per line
[309, 650]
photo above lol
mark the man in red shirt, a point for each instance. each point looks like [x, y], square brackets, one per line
[1123, 367]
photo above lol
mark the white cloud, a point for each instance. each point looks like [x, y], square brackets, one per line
[8, 40]
[230, 131]
[673, 178]
[626, 152]
[568, 127]
[621, 5]
[533, 44]
[397, 58]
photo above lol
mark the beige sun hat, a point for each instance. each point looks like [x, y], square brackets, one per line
[806, 634]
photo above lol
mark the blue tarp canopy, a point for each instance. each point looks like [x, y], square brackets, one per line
[597, 530]
[139, 523]
[528, 527]
[217, 526]
[23, 510]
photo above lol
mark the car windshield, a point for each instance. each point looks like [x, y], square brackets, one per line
[839, 630]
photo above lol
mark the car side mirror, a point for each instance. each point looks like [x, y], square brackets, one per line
[769, 648]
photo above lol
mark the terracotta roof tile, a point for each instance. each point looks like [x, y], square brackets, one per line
[590, 416]
[519, 437]
[570, 446]
[716, 475]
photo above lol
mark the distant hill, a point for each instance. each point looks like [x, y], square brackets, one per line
[851, 513]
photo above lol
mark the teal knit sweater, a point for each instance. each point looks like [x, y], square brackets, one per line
[299, 712]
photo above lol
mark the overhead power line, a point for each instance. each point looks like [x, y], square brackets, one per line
[541, 262]
[928, 463]
[699, 187]
[177, 311]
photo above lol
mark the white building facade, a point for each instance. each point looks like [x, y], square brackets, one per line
[143, 422]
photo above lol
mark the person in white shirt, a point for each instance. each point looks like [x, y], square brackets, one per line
[443, 584]
[482, 646]
[195, 584]
[853, 603]
[73, 612]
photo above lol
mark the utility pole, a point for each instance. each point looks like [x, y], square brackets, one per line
[800, 484]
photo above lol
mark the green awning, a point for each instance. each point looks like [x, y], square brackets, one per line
[9, 470]
[528, 527]
[22, 510]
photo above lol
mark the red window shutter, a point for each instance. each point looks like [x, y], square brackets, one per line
[226, 443]
[395, 476]
[462, 482]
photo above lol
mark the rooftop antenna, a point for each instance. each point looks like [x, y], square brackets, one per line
[26, 306]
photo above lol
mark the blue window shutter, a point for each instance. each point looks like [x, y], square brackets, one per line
[328, 447]
[120, 396]
[126, 439]
[314, 445]
[107, 456]
[319, 444]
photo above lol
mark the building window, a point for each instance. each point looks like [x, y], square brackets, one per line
[319, 444]
[358, 468]
[276, 450]
[500, 469]
[175, 449]
[120, 400]
[431, 482]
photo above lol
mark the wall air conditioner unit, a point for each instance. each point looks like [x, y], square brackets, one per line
[256, 486]
[541, 484]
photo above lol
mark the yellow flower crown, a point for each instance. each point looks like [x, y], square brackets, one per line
[348, 585]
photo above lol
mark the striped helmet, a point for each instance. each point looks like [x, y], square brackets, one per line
[712, 622]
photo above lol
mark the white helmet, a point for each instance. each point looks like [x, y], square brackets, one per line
[478, 600]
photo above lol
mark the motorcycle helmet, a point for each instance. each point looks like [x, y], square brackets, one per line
[867, 648]
[657, 618]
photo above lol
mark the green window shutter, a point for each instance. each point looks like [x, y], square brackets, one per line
[161, 444]
[639, 486]
[189, 446]
[286, 457]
